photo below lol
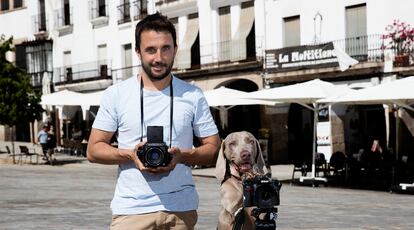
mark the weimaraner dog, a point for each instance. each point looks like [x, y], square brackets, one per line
[239, 156]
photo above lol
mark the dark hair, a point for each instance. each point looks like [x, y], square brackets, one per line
[156, 22]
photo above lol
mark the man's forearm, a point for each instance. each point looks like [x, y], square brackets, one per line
[104, 153]
[203, 155]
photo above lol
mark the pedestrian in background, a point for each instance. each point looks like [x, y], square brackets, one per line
[42, 137]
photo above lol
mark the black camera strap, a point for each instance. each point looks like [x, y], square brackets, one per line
[142, 107]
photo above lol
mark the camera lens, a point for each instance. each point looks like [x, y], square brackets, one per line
[154, 156]
[265, 196]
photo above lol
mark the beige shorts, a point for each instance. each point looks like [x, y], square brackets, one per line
[156, 220]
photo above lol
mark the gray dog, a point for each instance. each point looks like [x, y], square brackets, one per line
[239, 157]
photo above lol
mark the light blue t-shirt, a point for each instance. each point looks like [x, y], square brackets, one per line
[42, 135]
[140, 192]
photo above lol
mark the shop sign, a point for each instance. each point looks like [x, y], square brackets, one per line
[301, 57]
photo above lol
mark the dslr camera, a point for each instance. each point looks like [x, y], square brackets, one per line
[261, 191]
[154, 153]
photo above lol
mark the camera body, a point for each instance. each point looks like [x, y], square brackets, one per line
[261, 191]
[154, 153]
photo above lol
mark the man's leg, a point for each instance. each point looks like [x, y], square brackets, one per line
[158, 220]
[180, 220]
[142, 221]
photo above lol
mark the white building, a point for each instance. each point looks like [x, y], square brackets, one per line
[88, 45]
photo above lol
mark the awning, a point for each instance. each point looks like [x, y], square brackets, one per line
[238, 44]
[183, 57]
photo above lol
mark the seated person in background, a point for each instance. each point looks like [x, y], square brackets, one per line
[77, 134]
[376, 147]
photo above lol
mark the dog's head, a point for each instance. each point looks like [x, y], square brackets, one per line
[239, 154]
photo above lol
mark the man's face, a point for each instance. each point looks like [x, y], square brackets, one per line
[157, 54]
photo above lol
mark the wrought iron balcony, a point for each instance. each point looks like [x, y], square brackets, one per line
[82, 72]
[363, 48]
[39, 23]
[63, 17]
[124, 15]
[140, 9]
[98, 13]
[125, 72]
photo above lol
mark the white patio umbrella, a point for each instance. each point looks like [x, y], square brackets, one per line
[62, 98]
[70, 98]
[224, 99]
[399, 92]
[304, 94]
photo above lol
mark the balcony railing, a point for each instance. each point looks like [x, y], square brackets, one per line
[140, 9]
[160, 2]
[83, 72]
[39, 23]
[125, 72]
[123, 13]
[221, 52]
[97, 9]
[63, 17]
[362, 48]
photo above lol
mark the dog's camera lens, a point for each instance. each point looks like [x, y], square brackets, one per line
[265, 196]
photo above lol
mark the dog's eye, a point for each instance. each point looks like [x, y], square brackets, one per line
[232, 144]
[250, 141]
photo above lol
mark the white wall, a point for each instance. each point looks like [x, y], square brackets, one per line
[380, 13]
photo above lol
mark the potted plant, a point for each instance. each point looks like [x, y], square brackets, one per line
[400, 39]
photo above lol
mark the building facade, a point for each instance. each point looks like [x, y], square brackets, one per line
[86, 46]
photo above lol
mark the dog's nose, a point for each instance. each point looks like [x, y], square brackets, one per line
[245, 155]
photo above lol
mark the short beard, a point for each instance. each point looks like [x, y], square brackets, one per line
[152, 77]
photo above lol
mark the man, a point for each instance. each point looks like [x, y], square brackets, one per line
[162, 197]
[42, 139]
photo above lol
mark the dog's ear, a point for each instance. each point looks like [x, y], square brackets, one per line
[221, 163]
[260, 162]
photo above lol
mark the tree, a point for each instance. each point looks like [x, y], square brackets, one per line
[18, 102]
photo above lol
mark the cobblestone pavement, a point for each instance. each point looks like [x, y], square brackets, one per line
[77, 196]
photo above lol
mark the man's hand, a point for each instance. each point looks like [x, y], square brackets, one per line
[176, 158]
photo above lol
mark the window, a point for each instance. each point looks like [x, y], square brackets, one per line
[188, 53]
[17, 3]
[101, 8]
[140, 9]
[10, 4]
[38, 60]
[42, 16]
[66, 12]
[123, 12]
[174, 21]
[5, 5]
[224, 33]
[102, 62]
[356, 31]
[67, 64]
[243, 45]
[291, 31]
[127, 61]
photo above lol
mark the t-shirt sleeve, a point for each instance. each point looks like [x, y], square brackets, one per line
[203, 124]
[106, 119]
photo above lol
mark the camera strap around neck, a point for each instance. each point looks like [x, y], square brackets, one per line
[142, 107]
